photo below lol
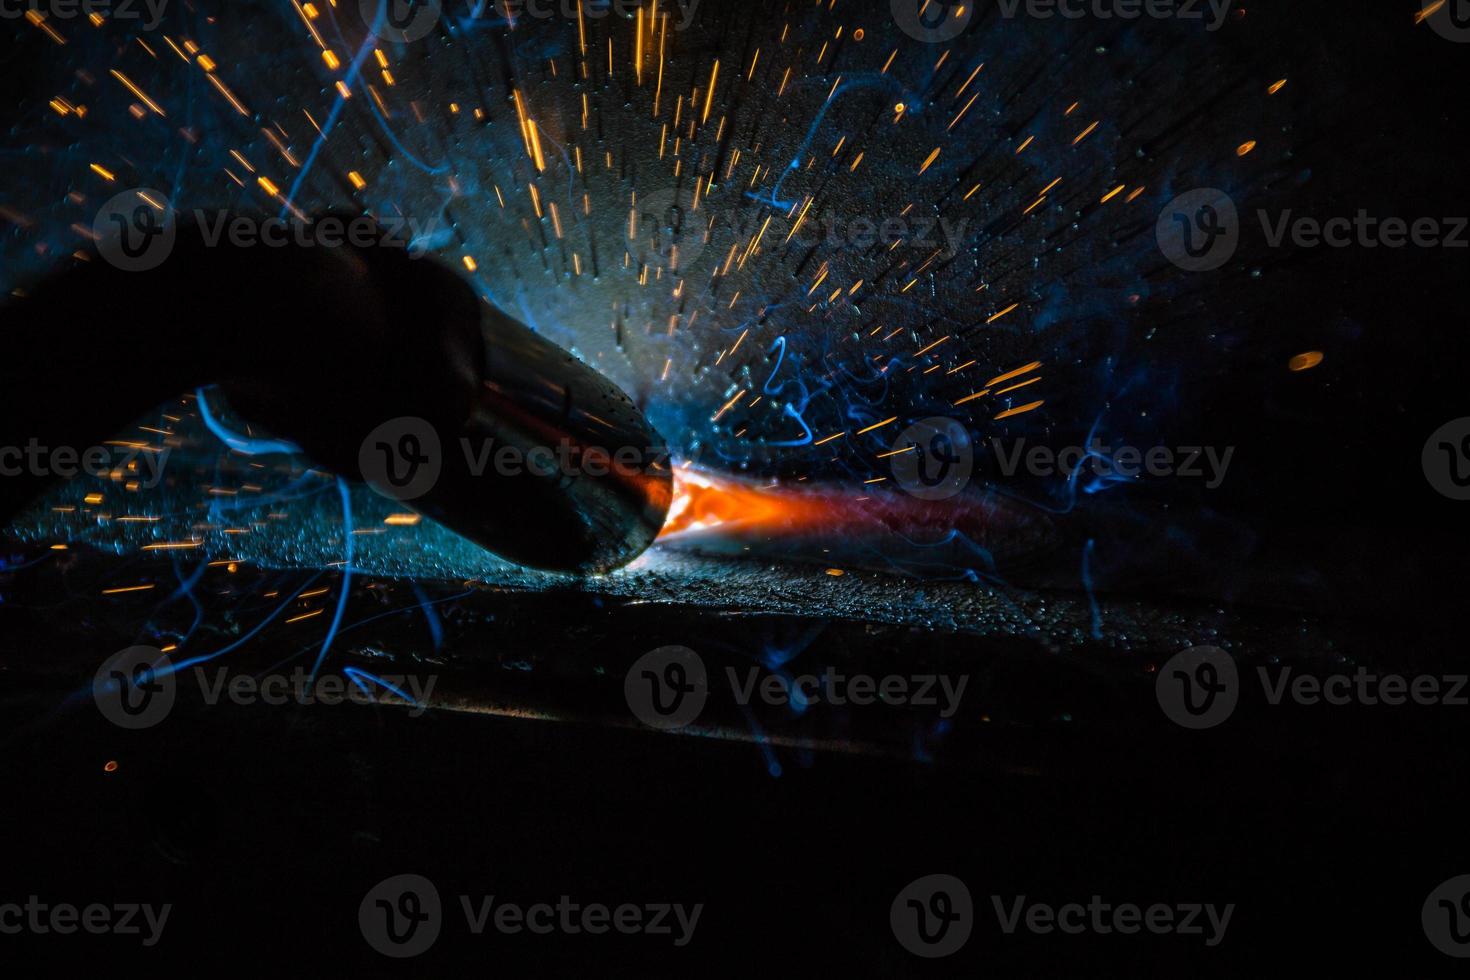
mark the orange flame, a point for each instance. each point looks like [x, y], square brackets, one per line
[704, 501]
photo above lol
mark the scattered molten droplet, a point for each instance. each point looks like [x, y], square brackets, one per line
[834, 572]
[1245, 148]
[1306, 361]
[111, 766]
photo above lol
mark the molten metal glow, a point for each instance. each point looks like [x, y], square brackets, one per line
[704, 501]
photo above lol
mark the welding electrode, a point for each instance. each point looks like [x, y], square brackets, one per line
[353, 354]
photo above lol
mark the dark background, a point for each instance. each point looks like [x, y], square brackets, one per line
[1327, 829]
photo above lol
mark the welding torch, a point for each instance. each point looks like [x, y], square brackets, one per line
[377, 362]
